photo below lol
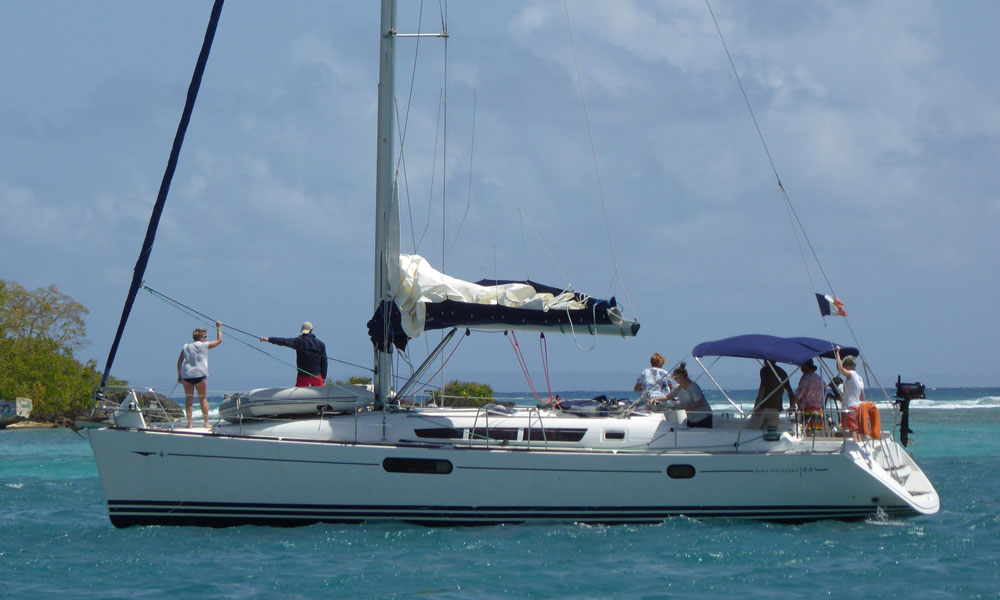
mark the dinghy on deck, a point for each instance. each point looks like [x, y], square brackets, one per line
[294, 402]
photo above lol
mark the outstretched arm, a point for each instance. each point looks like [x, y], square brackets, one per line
[218, 335]
[840, 365]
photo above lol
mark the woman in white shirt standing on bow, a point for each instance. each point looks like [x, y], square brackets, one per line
[192, 370]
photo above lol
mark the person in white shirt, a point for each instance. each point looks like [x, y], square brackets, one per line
[854, 392]
[654, 381]
[688, 395]
[192, 370]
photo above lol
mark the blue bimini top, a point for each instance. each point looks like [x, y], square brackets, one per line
[792, 351]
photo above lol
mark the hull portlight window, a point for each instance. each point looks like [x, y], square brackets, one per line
[439, 433]
[495, 433]
[556, 435]
[680, 471]
[417, 465]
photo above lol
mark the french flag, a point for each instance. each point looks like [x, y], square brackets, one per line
[828, 305]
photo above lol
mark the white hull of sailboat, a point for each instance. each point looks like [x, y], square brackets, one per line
[184, 478]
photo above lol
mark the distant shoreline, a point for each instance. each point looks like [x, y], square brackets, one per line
[29, 424]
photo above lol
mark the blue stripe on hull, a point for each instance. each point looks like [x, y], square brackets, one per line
[222, 514]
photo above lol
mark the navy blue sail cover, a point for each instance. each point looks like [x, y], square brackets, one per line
[792, 351]
[168, 175]
[450, 313]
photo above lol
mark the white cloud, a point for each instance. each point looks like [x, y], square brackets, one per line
[529, 20]
[311, 49]
[882, 119]
[24, 218]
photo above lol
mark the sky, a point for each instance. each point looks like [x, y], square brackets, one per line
[882, 120]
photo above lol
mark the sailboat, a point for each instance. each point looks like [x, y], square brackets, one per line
[371, 456]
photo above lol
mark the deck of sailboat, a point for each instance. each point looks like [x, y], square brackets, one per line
[534, 429]
[348, 476]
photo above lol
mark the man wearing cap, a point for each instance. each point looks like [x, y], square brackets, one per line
[310, 356]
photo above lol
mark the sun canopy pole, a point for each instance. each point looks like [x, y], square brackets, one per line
[427, 363]
[168, 175]
[721, 389]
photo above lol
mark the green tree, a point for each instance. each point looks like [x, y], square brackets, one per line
[43, 313]
[58, 384]
[355, 380]
[463, 393]
[39, 330]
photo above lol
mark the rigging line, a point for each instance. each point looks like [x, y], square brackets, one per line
[524, 267]
[472, 153]
[402, 129]
[401, 357]
[802, 254]
[413, 78]
[597, 169]
[788, 203]
[487, 223]
[498, 252]
[430, 200]
[548, 253]
[610, 288]
[512, 338]
[543, 348]
[401, 167]
[812, 250]
[521, 213]
[443, 13]
[524, 243]
[789, 207]
[193, 312]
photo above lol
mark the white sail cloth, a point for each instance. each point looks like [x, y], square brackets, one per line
[419, 283]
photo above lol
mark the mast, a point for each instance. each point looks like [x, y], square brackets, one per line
[384, 181]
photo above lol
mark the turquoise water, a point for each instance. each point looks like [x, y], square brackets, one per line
[55, 538]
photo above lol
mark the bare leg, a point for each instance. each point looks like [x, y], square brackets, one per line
[188, 401]
[203, 400]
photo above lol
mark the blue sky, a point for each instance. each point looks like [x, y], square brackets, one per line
[882, 119]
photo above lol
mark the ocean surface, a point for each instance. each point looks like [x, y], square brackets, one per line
[56, 539]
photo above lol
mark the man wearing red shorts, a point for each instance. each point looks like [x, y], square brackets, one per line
[310, 356]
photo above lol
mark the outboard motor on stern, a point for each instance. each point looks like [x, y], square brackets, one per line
[906, 392]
